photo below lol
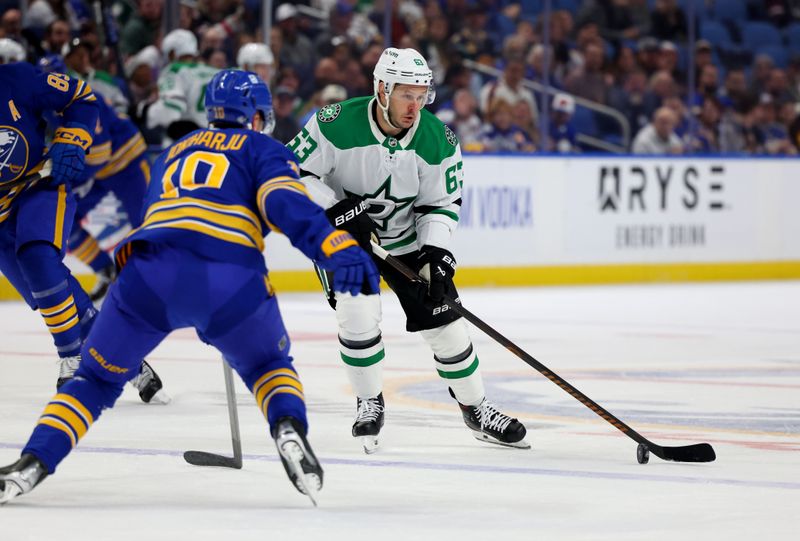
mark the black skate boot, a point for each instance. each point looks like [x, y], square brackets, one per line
[490, 425]
[20, 477]
[149, 386]
[298, 459]
[67, 368]
[104, 277]
[369, 421]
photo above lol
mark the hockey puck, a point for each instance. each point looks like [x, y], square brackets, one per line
[642, 454]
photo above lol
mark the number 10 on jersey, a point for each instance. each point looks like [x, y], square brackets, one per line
[199, 169]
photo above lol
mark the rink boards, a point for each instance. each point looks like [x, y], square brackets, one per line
[552, 220]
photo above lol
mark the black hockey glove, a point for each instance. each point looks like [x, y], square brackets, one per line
[351, 215]
[437, 266]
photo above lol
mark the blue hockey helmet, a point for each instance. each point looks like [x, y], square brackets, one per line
[52, 62]
[235, 96]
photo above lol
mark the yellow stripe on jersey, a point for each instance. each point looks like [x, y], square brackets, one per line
[65, 414]
[87, 251]
[99, 154]
[277, 183]
[59, 425]
[76, 404]
[232, 228]
[61, 208]
[123, 156]
[62, 317]
[56, 309]
[282, 380]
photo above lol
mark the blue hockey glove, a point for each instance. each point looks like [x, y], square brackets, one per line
[437, 266]
[353, 269]
[68, 152]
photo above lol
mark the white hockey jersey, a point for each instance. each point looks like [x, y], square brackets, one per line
[181, 94]
[412, 186]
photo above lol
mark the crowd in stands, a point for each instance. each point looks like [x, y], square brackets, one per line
[743, 95]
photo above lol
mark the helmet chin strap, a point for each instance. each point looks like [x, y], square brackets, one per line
[385, 110]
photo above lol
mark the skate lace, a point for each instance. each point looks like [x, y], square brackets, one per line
[368, 410]
[491, 417]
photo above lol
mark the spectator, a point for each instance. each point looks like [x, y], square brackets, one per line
[508, 88]
[703, 55]
[56, 36]
[668, 21]
[562, 137]
[668, 61]
[708, 82]
[777, 86]
[524, 120]
[143, 28]
[735, 88]
[771, 136]
[659, 136]
[762, 67]
[706, 138]
[297, 50]
[634, 100]
[617, 19]
[590, 82]
[649, 55]
[463, 119]
[286, 126]
[501, 135]
[435, 48]
[340, 18]
[473, 41]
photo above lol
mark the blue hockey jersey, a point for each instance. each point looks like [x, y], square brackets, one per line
[26, 93]
[219, 192]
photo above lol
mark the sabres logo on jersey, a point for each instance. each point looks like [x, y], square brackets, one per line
[13, 154]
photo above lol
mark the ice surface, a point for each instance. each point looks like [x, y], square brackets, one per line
[680, 363]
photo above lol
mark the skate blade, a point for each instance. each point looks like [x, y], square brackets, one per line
[369, 443]
[11, 491]
[480, 436]
[307, 483]
[160, 398]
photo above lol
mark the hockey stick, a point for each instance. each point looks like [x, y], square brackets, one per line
[701, 452]
[203, 458]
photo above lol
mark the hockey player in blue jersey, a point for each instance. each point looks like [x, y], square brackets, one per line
[36, 206]
[115, 163]
[196, 261]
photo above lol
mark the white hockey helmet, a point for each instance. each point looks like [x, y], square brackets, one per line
[251, 54]
[179, 43]
[11, 51]
[403, 66]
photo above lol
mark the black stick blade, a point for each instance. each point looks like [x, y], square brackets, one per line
[700, 452]
[202, 458]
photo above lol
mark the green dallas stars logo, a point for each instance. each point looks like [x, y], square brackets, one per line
[329, 113]
[381, 205]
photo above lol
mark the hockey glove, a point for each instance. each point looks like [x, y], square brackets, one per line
[352, 267]
[68, 152]
[351, 215]
[437, 266]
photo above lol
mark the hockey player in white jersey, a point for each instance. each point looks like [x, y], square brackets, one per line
[258, 58]
[396, 172]
[181, 87]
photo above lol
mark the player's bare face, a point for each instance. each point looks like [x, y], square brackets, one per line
[405, 104]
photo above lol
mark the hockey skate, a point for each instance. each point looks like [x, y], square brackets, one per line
[149, 386]
[490, 425]
[20, 477]
[298, 459]
[67, 368]
[104, 277]
[369, 421]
